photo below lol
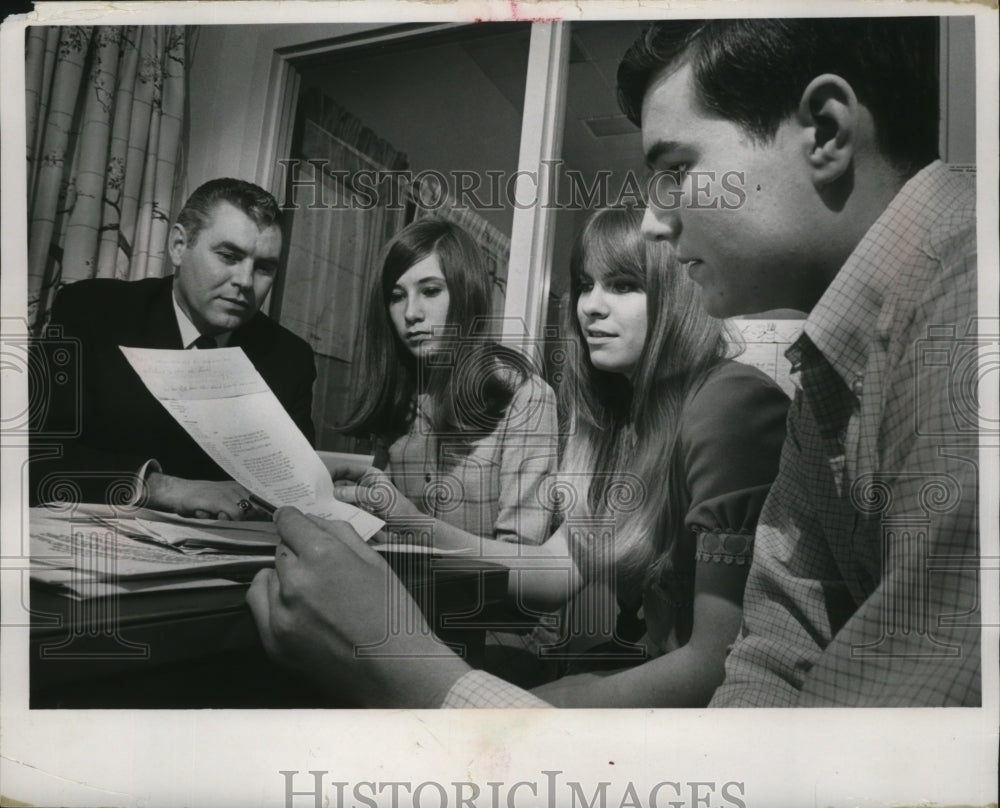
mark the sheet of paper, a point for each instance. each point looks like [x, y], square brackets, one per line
[93, 549]
[419, 549]
[185, 534]
[80, 587]
[210, 534]
[334, 460]
[214, 537]
[224, 404]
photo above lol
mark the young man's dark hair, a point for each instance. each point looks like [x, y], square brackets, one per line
[251, 199]
[753, 73]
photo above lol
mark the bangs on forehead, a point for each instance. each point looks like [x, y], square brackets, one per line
[401, 259]
[604, 258]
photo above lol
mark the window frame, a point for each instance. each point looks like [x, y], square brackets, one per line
[542, 117]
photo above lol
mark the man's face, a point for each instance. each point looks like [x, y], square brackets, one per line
[738, 213]
[224, 276]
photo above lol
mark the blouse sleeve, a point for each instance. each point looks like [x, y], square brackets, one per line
[529, 454]
[731, 437]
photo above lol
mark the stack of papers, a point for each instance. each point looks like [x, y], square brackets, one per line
[153, 562]
[147, 563]
[96, 544]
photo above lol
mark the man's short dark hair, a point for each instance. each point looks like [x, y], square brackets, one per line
[753, 73]
[253, 200]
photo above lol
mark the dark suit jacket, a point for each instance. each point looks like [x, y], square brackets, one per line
[120, 424]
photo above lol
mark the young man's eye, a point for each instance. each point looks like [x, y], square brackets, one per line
[266, 269]
[674, 173]
[228, 258]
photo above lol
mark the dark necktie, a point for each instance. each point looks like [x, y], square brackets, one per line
[203, 343]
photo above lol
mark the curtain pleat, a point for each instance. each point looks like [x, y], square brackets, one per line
[58, 105]
[334, 248]
[105, 109]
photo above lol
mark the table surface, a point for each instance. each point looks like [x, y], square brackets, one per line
[177, 653]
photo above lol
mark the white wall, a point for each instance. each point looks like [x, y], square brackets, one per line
[229, 94]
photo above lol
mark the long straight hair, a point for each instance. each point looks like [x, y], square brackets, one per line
[473, 379]
[621, 457]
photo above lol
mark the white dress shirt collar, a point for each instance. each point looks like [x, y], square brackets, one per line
[189, 333]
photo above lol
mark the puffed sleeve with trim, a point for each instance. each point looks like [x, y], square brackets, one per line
[731, 437]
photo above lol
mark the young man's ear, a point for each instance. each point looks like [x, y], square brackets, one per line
[177, 242]
[830, 110]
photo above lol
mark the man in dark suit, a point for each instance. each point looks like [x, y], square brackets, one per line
[225, 248]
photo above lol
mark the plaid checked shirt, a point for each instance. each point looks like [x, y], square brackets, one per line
[864, 585]
[495, 490]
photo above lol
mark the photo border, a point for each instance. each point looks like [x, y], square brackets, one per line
[821, 757]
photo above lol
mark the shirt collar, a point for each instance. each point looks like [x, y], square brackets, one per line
[844, 321]
[189, 332]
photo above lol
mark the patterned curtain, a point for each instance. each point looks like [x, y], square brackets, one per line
[336, 232]
[105, 112]
[338, 229]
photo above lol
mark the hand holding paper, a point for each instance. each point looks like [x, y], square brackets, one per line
[208, 499]
[224, 404]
